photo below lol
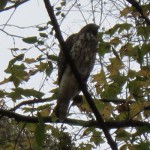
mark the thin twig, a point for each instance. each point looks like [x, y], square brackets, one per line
[19, 135]
[17, 36]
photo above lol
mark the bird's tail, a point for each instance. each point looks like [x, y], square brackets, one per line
[61, 109]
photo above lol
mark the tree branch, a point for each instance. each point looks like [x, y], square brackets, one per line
[27, 102]
[139, 9]
[110, 125]
[15, 5]
[35, 101]
[82, 85]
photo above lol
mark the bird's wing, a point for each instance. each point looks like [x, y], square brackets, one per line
[61, 59]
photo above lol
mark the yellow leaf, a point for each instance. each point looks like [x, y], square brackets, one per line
[145, 71]
[45, 112]
[84, 106]
[115, 41]
[146, 112]
[100, 78]
[135, 109]
[107, 111]
[115, 66]
[125, 11]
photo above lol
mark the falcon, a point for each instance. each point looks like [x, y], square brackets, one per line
[82, 48]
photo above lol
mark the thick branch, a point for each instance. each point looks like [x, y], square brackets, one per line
[82, 85]
[139, 9]
[110, 125]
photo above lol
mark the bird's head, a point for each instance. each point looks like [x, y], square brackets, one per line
[90, 28]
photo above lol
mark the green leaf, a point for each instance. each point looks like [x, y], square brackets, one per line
[14, 49]
[118, 28]
[63, 3]
[29, 92]
[139, 56]
[115, 41]
[104, 47]
[41, 108]
[86, 146]
[42, 28]
[135, 87]
[131, 73]
[14, 95]
[55, 132]
[115, 66]
[2, 93]
[143, 31]
[40, 133]
[111, 91]
[135, 108]
[18, 74]
[140, 131]
[96, 138]
[58, 13]
[55, 94]
[125, 11]
[107, 111]
[6, 80]
[40, 42]
[63, 15]
[100, 80]
[49, 69]
[42, 66]
[53, 57]
[29, 60]
[19, 92]
[116, 54]
[124, 26]
[142, 146]
[44, 35]
[122, 135]
[145, 48]
[87, 131]
[84, 106]
[58, 8]
[17, 58]
[30, 40]
[113, 30]
[123, 147]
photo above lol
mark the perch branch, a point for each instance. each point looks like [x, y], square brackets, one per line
[110, 125]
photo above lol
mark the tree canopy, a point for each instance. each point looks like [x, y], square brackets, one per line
[115, 111]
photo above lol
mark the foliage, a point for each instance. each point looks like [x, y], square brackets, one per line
[121, 76]
[29, 136]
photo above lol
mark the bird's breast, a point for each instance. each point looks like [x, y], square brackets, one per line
[83, 53]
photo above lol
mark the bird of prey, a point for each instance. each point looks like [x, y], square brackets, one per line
[82, 48]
